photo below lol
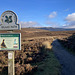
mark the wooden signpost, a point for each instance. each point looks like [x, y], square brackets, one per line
[10, 41]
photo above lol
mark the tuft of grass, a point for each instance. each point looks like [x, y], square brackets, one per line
[47, 45]
[49, 66]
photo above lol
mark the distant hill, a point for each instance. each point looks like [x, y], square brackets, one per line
[55, 29]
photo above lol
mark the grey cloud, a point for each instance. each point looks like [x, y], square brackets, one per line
[69, 25]
[53, 14]
[70, 21]
[29, 24]
[52, 24]
[70, 17]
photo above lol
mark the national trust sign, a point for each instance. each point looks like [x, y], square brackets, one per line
[9, 21]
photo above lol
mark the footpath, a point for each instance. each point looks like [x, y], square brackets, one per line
[66, 59]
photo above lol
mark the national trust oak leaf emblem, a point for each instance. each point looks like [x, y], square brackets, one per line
[8, 19]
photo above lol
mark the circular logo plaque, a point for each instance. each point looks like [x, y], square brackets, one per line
[8, 17]
[9, 21]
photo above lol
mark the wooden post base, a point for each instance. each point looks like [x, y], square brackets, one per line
[11, 63]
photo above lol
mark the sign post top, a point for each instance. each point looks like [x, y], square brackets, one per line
[9, 21]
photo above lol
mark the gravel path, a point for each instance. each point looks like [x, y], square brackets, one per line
[66, 60]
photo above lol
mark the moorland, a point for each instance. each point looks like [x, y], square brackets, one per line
[36, 56]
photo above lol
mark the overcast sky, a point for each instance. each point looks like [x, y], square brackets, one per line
[42, 13]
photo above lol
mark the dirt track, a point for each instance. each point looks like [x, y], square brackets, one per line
[66, 60]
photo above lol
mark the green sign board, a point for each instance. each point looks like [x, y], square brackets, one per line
[10, 41]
